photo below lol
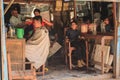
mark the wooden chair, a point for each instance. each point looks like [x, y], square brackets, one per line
[68, 53]
[69, 49]
[16, 61]
[41, 71]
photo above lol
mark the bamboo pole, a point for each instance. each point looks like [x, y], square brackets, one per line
[9, 5]
[116, 35]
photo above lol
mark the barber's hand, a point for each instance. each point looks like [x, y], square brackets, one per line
[28, 22]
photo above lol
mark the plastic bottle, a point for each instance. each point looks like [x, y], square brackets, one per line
[6, 32]
[103, 27]
[11, 31]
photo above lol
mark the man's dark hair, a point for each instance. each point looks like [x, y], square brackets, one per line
[37, 10]
[38, 18]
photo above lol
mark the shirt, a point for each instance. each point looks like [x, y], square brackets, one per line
[107, 28]
[14, 21]
[73, 35]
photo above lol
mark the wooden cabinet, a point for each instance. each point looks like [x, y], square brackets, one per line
[16, 48]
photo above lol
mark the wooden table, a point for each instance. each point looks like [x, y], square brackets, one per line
[101, 37]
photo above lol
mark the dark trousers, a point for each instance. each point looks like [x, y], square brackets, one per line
[80, 48]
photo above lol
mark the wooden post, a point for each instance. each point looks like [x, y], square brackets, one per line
[3, 45]
[87, 55]
[75, 15]
[117, 41]
[91, 3]
[119, 37]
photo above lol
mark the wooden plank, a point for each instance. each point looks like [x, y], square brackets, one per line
[109, 62]
[105, 65]
[103, 43]
[97, 56]
[31, 1]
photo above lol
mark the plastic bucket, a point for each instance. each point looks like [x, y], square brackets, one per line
[20, 33]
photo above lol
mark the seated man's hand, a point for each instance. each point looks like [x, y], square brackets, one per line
[51, 44]
[67, 40]
[82, 37]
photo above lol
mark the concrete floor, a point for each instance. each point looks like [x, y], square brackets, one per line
[62, 73]
[59, 71]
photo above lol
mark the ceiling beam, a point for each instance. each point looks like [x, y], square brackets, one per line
[29, 1]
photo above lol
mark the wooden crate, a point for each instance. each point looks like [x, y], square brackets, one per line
[16, 48]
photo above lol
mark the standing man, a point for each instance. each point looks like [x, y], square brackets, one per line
[37, 13]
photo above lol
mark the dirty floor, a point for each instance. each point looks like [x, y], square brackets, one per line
[63, 73]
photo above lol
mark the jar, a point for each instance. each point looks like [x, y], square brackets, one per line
[84, 28]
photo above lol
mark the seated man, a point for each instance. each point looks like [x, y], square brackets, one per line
[107, 25]
[37, 47]
[16, 18]
[74, 37]
[45, 22]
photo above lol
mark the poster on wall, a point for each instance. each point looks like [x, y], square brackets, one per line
[45, 15]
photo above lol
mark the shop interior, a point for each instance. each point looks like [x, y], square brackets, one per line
[99, 42]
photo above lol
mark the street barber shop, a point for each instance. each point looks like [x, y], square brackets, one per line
[60, 39]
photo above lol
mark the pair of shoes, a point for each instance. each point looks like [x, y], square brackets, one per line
[82, 62]
[79, 64]
[46, 69]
